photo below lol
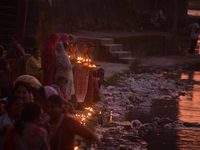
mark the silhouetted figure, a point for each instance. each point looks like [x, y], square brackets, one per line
[194, 30]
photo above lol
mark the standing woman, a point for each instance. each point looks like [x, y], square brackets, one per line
[64, 68]
[48, 58]
[16, 58]
[81, 76]
[89, 97]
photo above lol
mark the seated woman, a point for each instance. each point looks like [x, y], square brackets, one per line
[24, 90]
[32, 81]
[16, 58]
[15, 105]
[65, 127]
[5, 82]
[34, 65]
[26, 134]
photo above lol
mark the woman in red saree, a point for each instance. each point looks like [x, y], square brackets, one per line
[89, 96]
[16, 59]
[48, 58]
[64, 128]
[81, 76]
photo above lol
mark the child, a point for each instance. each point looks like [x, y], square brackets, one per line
[59, 86]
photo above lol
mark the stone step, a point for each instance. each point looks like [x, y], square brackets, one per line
[8, 10]
[122, 54]
[107, 41]
[4, 24]
[8, 17]
[126, 59]
[113, 47]
[7, 31]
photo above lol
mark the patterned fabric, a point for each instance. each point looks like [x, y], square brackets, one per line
[64, 136]
[64, 68]
[81, 81]
[30, 80]
[17, 68]
[33, 138]
[48, 58]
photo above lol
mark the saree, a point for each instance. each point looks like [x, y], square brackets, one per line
[17, 68]
[48, 58]
[64, 68]
[81, 81]
[63, 136]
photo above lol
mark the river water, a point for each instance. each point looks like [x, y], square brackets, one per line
[186, 110]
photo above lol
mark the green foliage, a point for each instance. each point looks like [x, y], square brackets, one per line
[114, 80]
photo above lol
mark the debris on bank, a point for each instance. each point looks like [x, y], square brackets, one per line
[108, 118]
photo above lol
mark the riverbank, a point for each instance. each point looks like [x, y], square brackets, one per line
[140, 91]
[151, 63]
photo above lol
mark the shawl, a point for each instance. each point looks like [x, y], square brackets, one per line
[48, 58]
[64, 38]
[20, 69]
[30, 80]
[64, 68]
[49, 91]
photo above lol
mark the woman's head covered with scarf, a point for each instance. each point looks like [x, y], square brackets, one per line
[51, 41]
[64, 38]
[90, 47]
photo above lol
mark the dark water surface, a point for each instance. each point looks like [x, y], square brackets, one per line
[186, 110]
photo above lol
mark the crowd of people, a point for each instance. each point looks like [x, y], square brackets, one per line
[37, 94]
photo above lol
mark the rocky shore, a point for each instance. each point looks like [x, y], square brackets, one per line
[145, 87]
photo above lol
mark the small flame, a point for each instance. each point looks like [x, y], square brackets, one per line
[100, 112]
[75, 148]
[89, 114]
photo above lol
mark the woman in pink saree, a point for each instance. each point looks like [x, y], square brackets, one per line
[16, 59]
[48, 58]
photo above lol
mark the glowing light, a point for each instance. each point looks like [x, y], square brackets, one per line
[89, 114]
[100, 112]
[76, 148]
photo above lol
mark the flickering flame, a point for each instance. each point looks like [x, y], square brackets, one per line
[75, 148]
[69, 56]
[92, 66]
[79, 58]
[100, 112]
[89, 114]
[79, 61]
[89, 60]
[86, 60]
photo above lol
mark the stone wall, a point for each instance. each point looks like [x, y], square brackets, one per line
[71, 15]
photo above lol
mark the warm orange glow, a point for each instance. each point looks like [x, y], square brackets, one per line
[100, 112]
[76, 148]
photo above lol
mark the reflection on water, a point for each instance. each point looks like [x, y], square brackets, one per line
[189, 107]
[186, 110]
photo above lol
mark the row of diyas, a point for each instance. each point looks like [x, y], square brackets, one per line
[81, 60]
[86, 62]
[83, 117]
